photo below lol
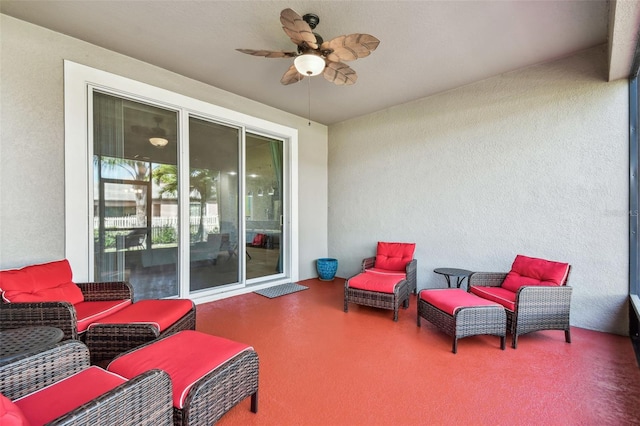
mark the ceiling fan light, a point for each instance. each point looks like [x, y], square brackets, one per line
[309, 64]
[158, 142]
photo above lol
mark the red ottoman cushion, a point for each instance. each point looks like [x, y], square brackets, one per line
[160, 313]
[186, 356]
[373, 281]
[53, 401]
[449, 300]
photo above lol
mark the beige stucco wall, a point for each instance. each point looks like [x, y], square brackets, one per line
[531, 162]
[32, 142]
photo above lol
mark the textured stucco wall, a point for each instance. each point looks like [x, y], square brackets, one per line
[532, 162]
[32, 142]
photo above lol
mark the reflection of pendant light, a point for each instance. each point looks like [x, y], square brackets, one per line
[271, 191]
[159, 135]
[260, 192]
[250, 194]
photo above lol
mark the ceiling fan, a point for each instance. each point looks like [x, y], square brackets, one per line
[314, 55]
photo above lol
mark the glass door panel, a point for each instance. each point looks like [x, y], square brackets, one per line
[214, 152]
[135, 212]
[263, 213]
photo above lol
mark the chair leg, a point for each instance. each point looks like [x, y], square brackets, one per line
[419, 320]
[405, 304]
[346, 304]
[567, 335]
[455, 345]
[514, 342]
[254, 402]
[395, 313]
[503, 340]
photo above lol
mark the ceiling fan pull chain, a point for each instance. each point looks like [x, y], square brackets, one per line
[309, 86]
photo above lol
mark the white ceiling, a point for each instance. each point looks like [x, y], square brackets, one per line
[426, 46]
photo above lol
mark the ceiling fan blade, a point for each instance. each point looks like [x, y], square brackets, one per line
[291, 76]
[350, 47]
[268, 53]
[297, 29]
[339, 74]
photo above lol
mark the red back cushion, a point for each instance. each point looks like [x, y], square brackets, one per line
[532, 271]
[394, 256]
[47, 282]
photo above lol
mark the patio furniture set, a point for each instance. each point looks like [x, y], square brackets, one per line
[119, 362]
[533, 296]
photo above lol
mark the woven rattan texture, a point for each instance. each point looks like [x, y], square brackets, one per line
[376, 299]
[537, 307]
[468, 321]
[220, 390]
[106, 341]
[144, 400]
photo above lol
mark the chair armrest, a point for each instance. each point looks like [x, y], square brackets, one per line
[545, 300]
[37, 369]
[412, 274]
[115, 290]
[61, 315]
[145, 399]
[486, 279]
[368, 262]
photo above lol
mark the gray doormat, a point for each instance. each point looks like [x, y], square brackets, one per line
[280, 290]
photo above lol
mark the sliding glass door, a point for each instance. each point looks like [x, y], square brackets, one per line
[214, 152]
[264, 213]
[167, 203]
[135, 221]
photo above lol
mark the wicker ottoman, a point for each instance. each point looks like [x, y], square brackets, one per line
[461, 314]
[137, 324]
[209, 374]
[386, 291]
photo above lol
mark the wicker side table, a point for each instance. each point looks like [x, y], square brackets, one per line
[17, 341]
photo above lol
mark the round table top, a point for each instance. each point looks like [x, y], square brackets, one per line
[454, 272]
[16, 341]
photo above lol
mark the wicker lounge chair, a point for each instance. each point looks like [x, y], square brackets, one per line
[534, 293]
[45, 294]
[39, 385]
[385, 280]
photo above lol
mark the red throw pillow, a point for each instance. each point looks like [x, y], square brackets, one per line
[46, 282]
[533, 271]
[394, 256]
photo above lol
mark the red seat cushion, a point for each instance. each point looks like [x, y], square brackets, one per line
[394, 256]
[160, 313]
[374, 281]
[55, 400]
[46, 282]
[186, 356]
[387, 272]
[500, 295]
[533, 271]
[11, 414]
[88, 312]
[449, 300]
